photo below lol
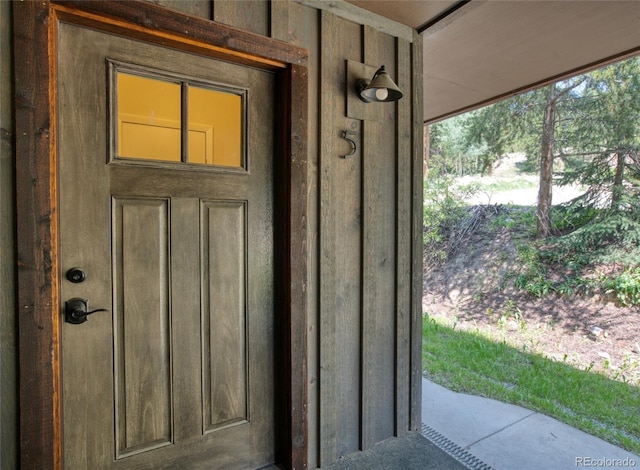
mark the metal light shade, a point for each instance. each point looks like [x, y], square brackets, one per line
[380, 88]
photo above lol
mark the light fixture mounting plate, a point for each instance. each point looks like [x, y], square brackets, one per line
[356, 107]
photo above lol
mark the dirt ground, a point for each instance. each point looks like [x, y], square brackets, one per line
[474, 291]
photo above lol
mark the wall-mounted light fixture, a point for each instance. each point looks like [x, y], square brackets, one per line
[379, 89]
[360, 91]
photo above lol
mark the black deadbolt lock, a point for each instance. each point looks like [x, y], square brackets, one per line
[76, 275]
[76, 311]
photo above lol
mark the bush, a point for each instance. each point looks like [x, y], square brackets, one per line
[593, 240]
[533, 276]
[443, 211]
[606, 238]
[625, 286]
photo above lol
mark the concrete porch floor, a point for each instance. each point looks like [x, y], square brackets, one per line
[508, 437]
[463, 431]
[411, 452]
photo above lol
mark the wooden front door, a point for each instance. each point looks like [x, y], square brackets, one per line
[177, 370]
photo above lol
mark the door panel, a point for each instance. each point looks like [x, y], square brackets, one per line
[224, 324]
[178, 373]
[142, 325]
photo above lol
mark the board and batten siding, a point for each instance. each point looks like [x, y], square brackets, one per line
[364, 242]
[365, 246]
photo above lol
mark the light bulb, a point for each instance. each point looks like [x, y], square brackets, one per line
[382, 94]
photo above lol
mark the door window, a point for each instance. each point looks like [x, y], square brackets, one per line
[174, 119]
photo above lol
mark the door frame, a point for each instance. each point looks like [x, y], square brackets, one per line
[38, 272]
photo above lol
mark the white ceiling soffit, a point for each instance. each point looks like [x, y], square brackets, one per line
[490, 49]
[478, 51]
[414, 13]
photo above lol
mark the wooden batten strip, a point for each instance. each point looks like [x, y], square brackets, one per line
[403, 236]
[416, 238]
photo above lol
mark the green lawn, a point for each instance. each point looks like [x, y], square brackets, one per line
[472, 364]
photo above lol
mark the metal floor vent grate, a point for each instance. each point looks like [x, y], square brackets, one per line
[454, 450]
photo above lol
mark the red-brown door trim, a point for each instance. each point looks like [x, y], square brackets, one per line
[39, 312]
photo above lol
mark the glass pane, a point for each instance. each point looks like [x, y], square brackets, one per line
[215, 127]
[148, 118]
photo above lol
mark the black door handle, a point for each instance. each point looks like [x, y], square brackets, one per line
[76, 310]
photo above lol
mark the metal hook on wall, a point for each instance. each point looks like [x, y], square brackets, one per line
[354, 147]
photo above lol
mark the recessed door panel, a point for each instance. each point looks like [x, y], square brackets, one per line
[142, 325]
[224, 313]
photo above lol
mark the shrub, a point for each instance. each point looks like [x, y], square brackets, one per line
[532, 274]
[625, 286]
[442, 213]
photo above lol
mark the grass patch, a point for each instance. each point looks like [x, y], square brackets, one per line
[495, 185]
[470, 363]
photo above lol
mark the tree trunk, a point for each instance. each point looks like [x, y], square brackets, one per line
[543, 229]
[616, 193]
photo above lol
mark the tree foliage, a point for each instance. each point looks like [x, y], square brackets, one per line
[584, 130]
[608, 128]
[450, 150]
[592, 133]
[486, 130]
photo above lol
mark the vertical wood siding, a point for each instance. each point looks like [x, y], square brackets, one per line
[369, 282]
[340, 247]
[248, 15]
[378, 256]
[8, 377]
